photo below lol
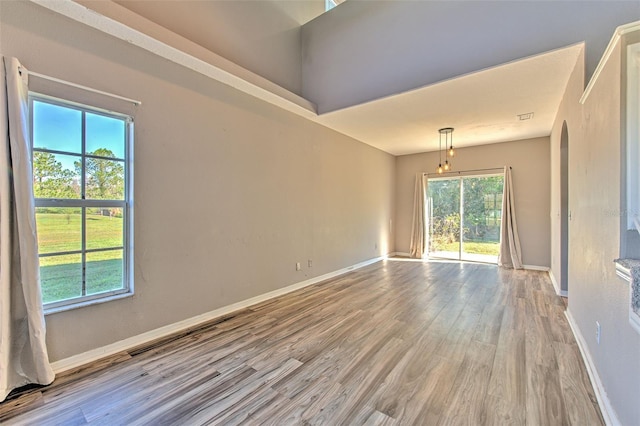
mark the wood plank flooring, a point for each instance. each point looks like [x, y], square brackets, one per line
[395, 343]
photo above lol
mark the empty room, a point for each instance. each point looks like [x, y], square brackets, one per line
[328, 212]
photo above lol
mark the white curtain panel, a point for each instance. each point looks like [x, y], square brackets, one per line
[419, 227]
[23, 353]
[510, 252]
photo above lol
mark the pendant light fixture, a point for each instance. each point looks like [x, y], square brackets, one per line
[449, 152]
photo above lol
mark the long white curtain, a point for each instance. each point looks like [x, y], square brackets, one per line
[510, 252]
[419, 228]
[23, 353]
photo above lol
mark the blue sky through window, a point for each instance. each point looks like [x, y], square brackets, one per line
[105, 132]
[59, 128]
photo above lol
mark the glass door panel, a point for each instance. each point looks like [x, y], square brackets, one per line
[481, 210]
[444, 218]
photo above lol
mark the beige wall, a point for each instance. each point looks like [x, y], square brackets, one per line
[595, 292]
[230, 191]
[530, 161]
[262, 36]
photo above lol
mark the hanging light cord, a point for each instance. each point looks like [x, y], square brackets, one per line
[448, 148]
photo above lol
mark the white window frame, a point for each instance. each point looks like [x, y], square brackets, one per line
[460, 177]
[126, 205]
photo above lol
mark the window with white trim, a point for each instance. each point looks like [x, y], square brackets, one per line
[82, 182]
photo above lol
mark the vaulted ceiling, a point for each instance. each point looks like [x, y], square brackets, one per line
[390, 73]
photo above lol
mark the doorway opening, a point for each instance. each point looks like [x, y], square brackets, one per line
[464, 217]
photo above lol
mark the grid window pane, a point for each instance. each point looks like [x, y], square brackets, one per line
[104, 179]
[57, 128]
[56, 175]
[104, 271]
[61, 277]
[105, 228]
[105, 136]
[59, 229]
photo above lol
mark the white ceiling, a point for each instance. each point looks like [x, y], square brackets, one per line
[483, 107]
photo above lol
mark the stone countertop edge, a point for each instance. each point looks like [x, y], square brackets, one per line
[623, 267]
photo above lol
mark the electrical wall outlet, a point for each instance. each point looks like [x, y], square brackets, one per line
[598, 332]
[298, 267]
[310, 263]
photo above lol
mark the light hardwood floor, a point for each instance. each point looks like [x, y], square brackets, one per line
[397, 342]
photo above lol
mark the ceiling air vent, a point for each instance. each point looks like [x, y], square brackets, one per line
[527, 116]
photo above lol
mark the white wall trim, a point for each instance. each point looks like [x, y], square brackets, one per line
[536, 268]
[619, 32]
[556, 286]
[608, 413]
[122, 345]
[623, 272]
[528, 267]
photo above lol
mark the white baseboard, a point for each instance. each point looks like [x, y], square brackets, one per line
[607, 410]
[122, 345]
[536, 268]
[400, 253]
[556, 286]
[552, 277]
[529, 267]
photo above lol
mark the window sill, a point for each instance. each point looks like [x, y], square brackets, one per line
[85, 303]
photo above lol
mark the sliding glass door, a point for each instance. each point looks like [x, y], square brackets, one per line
[465, 215]
[444, 221]
[481, 216]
